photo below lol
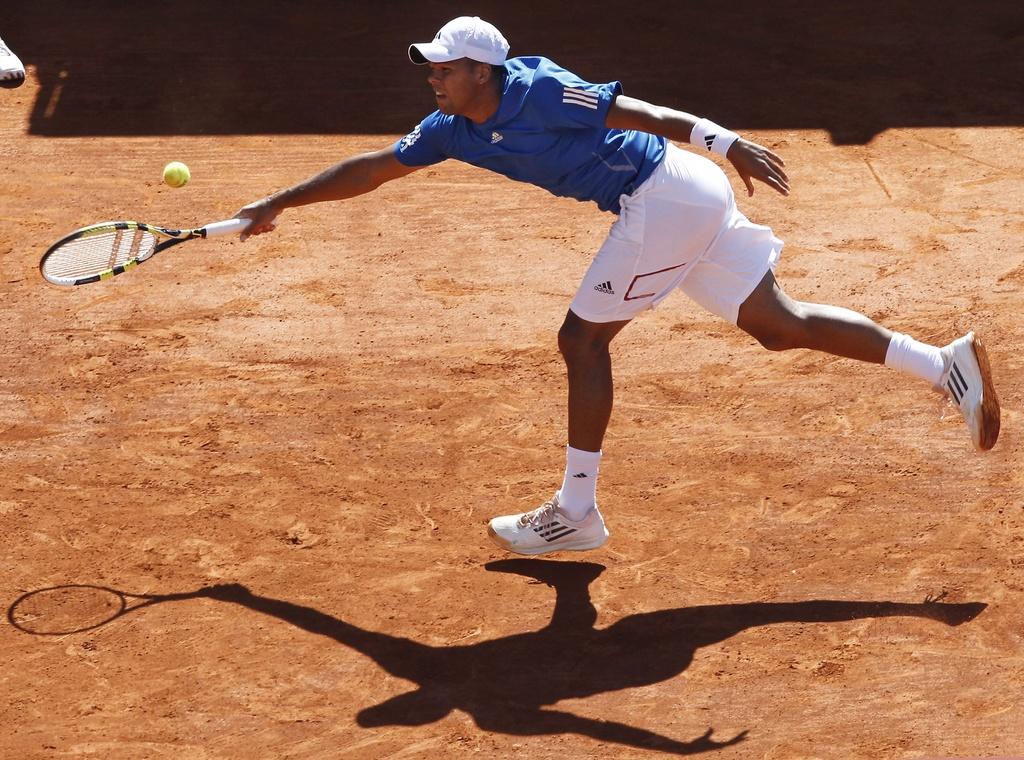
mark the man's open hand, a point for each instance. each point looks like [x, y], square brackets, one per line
[753, 161]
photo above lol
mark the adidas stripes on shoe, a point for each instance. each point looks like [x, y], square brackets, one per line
[547, 529]
[967, 380]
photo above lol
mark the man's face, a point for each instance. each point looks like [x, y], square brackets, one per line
[457, 86]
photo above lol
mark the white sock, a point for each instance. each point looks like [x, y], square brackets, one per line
[915, 358]
[579, 486]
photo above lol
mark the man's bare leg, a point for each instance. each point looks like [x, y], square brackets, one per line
[779, 323]
[584, 346]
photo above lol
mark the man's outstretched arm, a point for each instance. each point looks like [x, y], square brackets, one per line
[752, 161]
[353, 176]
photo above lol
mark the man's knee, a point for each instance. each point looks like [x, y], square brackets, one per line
[776, 340]
[772, 318]
[576, 343]
[781, 334]
[579, 340]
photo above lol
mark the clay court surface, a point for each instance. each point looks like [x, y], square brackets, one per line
[289, 448]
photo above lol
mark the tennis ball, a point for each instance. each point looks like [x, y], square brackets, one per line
[176, 174]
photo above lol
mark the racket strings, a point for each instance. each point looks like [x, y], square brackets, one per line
[95, 254]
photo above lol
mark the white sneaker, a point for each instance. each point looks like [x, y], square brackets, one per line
[968, 382]
[12, 72]
[547, 529]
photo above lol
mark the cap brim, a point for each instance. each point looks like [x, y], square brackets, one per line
[430, 52]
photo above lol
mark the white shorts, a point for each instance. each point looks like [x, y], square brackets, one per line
[680, 228]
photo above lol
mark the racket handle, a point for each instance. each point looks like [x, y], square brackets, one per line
[226, 227]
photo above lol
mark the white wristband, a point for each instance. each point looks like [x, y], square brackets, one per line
[708, 135]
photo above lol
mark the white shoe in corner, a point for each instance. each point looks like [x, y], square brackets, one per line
[12, 72]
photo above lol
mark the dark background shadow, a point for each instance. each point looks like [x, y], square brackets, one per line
[109, 67]
[508, 685]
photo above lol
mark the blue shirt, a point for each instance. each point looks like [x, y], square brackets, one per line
[549, 131]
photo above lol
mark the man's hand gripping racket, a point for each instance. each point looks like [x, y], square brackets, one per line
[101, 251]
[261, 215]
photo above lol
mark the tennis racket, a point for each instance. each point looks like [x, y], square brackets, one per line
[101, 251]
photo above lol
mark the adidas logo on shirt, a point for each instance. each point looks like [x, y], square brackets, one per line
[410, 139]
[496, 138]
[577, 97]
[605, 287]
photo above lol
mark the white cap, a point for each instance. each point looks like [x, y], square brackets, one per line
[463, 37]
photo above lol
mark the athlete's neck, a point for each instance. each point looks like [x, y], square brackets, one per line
[486, 106]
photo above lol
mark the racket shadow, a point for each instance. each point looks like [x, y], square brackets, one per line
[507, 685]
[79, 607]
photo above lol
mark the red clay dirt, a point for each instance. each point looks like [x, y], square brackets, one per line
[303, 436]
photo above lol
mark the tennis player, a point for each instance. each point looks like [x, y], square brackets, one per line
[677, 227]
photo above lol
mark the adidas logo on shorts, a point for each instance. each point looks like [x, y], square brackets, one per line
[605, 287]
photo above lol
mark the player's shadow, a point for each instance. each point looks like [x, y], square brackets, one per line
[508, 684]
